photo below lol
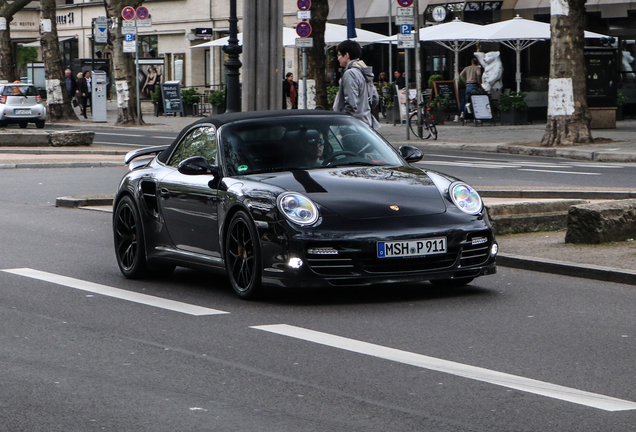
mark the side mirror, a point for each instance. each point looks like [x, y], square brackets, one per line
[410, 153]
[197, 165]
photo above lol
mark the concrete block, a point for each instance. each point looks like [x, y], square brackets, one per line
[23, 139]
[603, 117]
[602, 222]
[71, 138]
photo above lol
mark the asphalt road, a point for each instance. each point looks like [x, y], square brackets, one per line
[99, 352]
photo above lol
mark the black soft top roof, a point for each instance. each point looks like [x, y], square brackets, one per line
[220, 120]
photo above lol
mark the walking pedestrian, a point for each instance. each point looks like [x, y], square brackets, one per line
[71, 85]
[472, 77]
[357, 94]
[290, 92]
[80, 93]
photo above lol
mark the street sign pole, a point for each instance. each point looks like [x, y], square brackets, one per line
[304, 78]
[137, 71]
[418, 67]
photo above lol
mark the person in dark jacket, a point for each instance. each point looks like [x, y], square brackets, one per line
[80, 93]
[71, 85]
[290, 92]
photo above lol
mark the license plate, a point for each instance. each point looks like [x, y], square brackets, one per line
[412, 248]
[22, 111]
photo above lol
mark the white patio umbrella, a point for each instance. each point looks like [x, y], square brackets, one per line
[447, 35]
[334, 34]
[516, 33]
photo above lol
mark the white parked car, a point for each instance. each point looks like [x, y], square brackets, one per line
[21, 104]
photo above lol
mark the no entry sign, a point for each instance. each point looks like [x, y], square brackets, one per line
[405, 3]
[303, 29]
[128, 13]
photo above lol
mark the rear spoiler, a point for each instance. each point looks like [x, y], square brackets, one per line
[142, 152]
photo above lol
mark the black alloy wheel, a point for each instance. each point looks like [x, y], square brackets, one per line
[129, 239]
[243, 257]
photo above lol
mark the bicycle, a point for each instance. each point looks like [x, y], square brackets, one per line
[428, 123]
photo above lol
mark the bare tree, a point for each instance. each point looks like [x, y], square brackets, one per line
[58, 99]
[316, 58]
[568, 117]
[123, 64]
[7, 57]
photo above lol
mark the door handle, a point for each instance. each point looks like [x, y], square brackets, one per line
[165, 193]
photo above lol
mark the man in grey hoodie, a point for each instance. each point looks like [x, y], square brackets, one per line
[357, 92]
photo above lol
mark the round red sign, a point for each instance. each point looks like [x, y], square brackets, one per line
[405, 3]
[142, 13]
[303, 29]
[128, 13]
[304, 5]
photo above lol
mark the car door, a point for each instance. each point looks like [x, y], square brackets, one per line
[188, 204]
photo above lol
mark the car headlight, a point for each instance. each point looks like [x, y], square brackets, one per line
[297, 208]
[466, 198]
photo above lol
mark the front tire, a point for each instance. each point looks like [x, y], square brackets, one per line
[39, 124]
[130, 248]
[243, 256]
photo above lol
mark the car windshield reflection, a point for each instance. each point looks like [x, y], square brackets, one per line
[252, 147]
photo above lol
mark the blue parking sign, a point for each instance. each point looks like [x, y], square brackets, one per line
[405, 28]
[130, 37]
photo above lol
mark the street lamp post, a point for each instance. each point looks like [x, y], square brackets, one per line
[233, 64]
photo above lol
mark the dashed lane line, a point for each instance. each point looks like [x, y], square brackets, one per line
[528, 385]
[116, 292]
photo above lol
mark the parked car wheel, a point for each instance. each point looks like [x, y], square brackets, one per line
[39, 124]
[242, 256]
[23, 125]
[129, 240]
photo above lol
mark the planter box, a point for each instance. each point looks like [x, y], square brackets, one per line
[603, 117]
[188, 110]
[514, 117]
[216, 110]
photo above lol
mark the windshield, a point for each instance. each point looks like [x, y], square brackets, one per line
[287, 143]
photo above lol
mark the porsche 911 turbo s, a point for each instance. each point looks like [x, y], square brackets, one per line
[297, 199]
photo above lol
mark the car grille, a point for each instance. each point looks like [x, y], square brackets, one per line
[475, 254]
[350, 261]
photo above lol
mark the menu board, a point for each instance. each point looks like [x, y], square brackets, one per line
[171, 96]
[447, 88]
[481, 107]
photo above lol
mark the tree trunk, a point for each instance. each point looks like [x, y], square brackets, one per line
[7, 56]
[316, 58]
[57, 98]
[568, 117]
[123, 64]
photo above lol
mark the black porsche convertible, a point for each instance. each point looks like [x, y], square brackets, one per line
[297, 199]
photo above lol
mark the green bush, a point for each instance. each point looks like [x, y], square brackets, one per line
[155, 94]
[190, 96]
[513, 100]
[388, 95]
[217, 98]
[438, 103]
[332, 91]
[620, 100]
[434, 78]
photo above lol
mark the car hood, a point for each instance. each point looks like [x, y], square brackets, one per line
[363, 192]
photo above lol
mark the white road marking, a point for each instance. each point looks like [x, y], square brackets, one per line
[117, 134]
[115, 292]
[558, 172]
[542, 388]
[466, 164]
[118, 144]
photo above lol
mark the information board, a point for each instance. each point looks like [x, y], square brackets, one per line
[481, 107]
[447, 88]
[601, 80]
[171, 97]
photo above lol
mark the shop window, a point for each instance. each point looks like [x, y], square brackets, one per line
[148, 46]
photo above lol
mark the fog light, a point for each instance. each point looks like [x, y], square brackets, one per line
[494, 249]
[295, 263]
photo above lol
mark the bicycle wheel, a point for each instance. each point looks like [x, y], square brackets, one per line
[432, 129]
[413, 124]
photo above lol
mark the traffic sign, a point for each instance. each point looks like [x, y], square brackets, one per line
[405, 3]
[405, 29]
[101, 29]
[306, 4]
[128, 13]
[303, 29]
[129, 37]
[142, 13]
[304, 42]
[406, 40]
